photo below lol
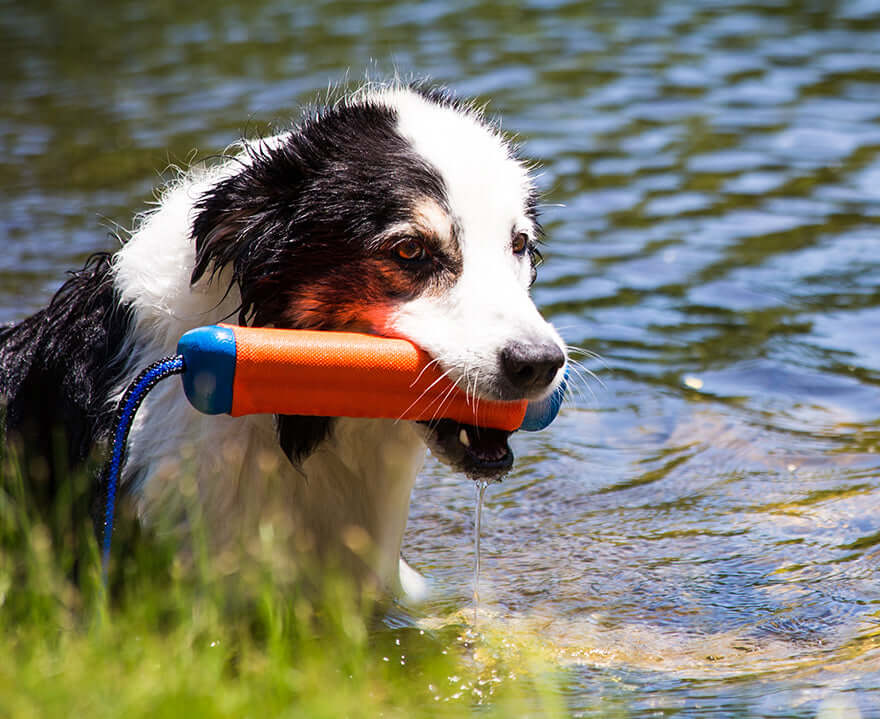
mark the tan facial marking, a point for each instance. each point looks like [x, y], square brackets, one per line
[432, 220]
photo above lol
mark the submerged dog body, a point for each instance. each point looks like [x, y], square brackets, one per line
[398, 212]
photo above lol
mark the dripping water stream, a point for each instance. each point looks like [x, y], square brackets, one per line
[478, 515]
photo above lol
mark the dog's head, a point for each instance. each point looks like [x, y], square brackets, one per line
[398, 212]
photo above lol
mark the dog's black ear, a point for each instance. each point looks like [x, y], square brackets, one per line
[299, 436]
[247, 223]
[220, 228]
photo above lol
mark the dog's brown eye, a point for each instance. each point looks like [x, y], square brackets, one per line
[520, 243]
[410, 250]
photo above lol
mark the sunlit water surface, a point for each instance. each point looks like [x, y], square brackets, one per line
[699, 532]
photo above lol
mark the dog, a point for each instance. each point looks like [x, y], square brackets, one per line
[397, 210]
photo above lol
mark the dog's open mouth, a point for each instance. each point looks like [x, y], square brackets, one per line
[479, 452]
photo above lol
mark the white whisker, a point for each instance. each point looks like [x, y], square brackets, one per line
[587, 353]
[443, 402]
[579, 383]
[467, 387]
[586, 370]
[423, 393]
[476, 399]
[423, 370]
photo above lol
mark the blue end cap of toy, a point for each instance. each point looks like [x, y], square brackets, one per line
[541, 413]
[209, 368]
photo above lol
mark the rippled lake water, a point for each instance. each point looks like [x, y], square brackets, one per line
[699, 532]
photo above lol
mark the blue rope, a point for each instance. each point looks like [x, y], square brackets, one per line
[125, 412]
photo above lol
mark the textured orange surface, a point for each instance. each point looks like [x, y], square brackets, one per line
[346, 374]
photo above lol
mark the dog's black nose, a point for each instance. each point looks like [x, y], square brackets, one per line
[531, 367]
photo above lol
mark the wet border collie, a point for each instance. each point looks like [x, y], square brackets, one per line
[397, 210]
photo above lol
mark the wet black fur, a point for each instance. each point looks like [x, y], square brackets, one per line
[57, 368]
[309, 207]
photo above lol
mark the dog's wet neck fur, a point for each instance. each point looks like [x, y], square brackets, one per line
[356, 489]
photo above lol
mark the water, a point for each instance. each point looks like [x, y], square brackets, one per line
[700, 534]
[480, 491]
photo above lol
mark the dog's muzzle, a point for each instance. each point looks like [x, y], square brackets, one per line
[479, 452]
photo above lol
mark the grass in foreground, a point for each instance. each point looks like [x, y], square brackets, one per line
[174, 638]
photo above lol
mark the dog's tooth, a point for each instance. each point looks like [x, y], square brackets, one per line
[463, 437]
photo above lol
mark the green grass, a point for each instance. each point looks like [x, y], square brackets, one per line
[173, 636]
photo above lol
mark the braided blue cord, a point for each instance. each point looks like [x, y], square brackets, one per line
[128, 405]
